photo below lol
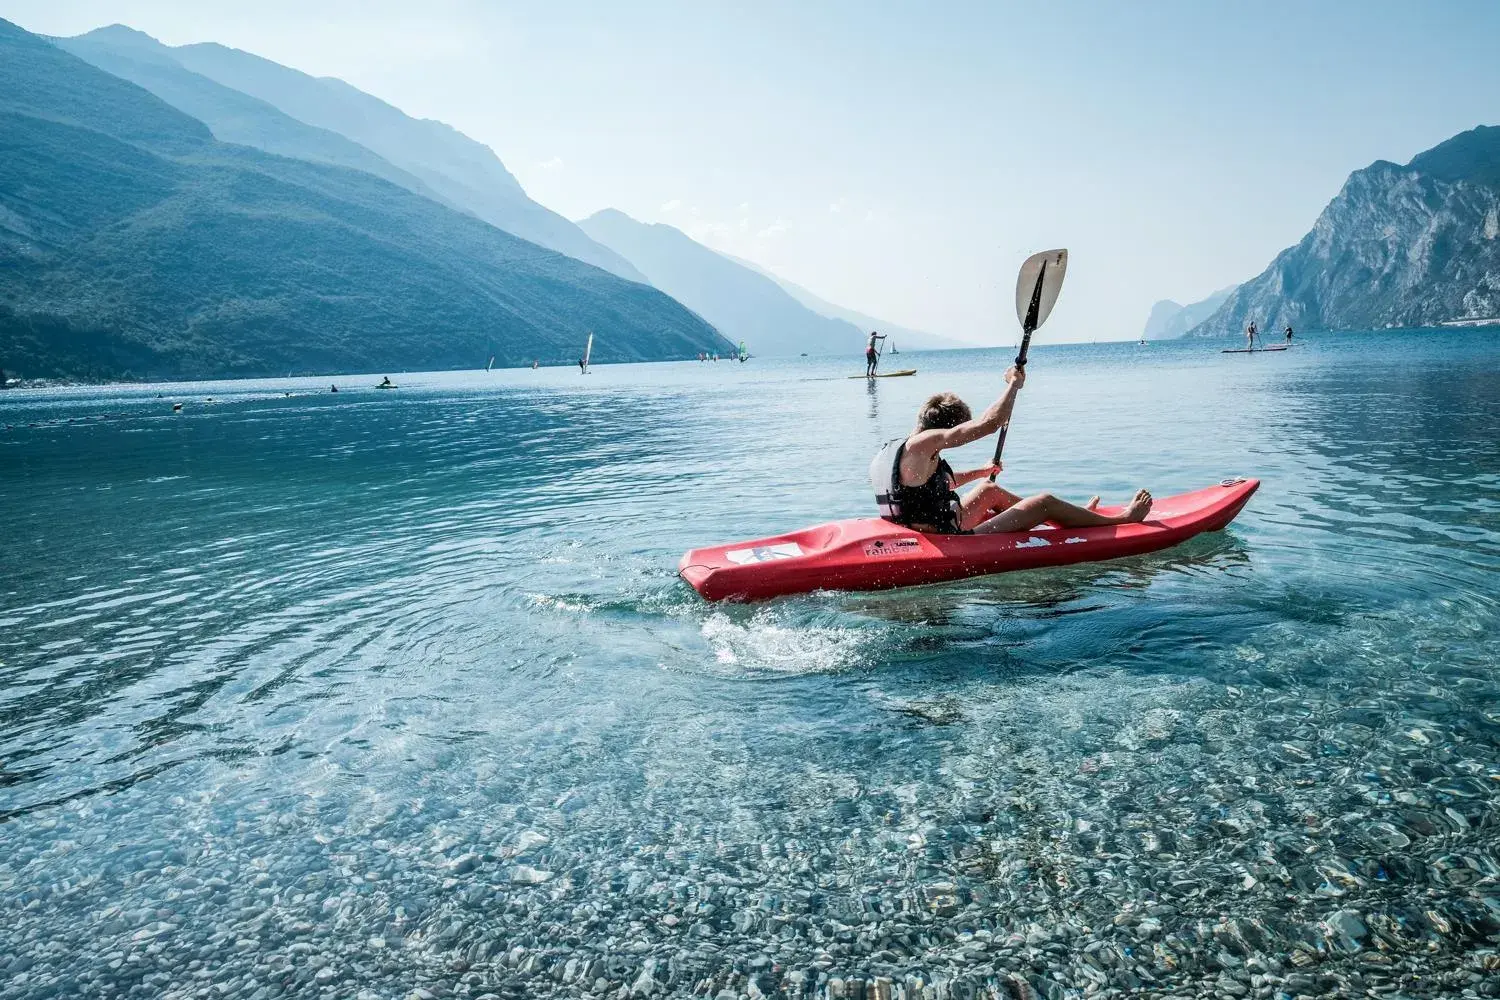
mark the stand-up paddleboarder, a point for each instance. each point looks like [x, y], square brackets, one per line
[872, 354]
[1250, 336]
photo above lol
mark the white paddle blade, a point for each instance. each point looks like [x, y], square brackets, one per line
[1048, 268]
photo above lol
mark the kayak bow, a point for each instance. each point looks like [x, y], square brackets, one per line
[871, 553]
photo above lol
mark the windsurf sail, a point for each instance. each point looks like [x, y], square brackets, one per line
[491, 364]
[588, 349]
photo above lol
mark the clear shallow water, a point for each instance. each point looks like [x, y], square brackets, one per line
[389, 691]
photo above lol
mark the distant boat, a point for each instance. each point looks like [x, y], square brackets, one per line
[744, 354]
[893, 348]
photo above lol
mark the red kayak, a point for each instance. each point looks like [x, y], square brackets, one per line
[870, 553]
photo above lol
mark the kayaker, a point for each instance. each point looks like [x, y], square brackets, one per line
[915, 486]
[872, 356]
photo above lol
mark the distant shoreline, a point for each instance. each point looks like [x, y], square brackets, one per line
[351, 379]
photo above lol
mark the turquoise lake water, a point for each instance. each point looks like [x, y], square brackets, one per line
[375, 692]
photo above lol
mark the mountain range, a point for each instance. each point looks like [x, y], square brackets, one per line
[744, 304]
[918, 340]
[245, 99]
[1171, 319]
[1399, 246]
[133, 243]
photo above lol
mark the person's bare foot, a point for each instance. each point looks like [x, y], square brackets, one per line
[1138, 508]
[1093, 504]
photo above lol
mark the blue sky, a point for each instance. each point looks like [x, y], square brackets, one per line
[902, 160]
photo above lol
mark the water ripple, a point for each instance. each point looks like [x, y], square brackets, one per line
[413, 668]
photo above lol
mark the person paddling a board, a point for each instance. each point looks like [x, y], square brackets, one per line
[1289, 335]
[915, 486]
[1250, 336]
[872, 354]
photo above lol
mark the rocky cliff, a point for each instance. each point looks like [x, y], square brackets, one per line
[1400, 246]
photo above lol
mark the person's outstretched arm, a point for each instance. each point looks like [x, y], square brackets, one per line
[928, 443]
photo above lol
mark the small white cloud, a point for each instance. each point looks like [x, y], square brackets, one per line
[672, 206]
[553, 164]
[774, 229]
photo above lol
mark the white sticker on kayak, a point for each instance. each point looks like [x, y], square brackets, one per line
[1073, 541]
[894, 547]
[1032, 543]
[764, 553]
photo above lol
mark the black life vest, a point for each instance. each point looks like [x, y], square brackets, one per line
[932, 503]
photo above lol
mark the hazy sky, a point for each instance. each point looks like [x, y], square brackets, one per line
[902, 159]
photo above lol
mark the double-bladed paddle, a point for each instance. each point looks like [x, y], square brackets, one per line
[1037, 286]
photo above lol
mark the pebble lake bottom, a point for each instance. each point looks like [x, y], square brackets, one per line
[396, 694]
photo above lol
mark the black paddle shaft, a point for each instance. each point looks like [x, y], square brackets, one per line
[1028, 327]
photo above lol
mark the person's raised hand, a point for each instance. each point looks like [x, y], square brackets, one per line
[1016, 376]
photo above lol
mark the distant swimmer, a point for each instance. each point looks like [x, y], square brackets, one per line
[176, 407]
[1289, 335]
[872, 354]
[333, 388]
